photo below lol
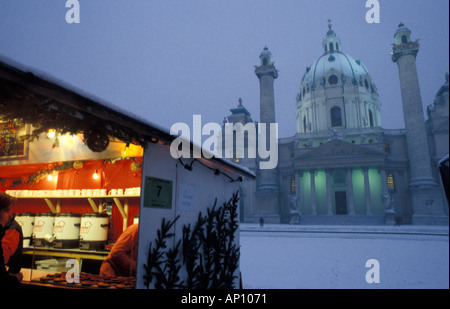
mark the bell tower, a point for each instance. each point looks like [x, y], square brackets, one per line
[426, 199]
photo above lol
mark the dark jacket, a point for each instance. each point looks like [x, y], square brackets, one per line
[15, 261]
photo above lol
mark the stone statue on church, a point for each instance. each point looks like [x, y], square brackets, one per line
[294, 213]
[293, 203]
[389, 212]
[388, 202]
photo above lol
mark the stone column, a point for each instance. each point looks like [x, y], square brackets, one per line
[351, 200]
[329, 197]
[267, 193]
[423, 188]
[367, 191]
[313, 192]
[297, 190]
[384, 185]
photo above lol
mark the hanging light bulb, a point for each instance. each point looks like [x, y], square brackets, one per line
[125, 150]
[51, 133]
[50, 177]
[95, 175]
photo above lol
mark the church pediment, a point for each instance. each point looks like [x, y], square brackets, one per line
[336, 148]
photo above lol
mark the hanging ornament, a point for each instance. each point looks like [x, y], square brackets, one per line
[136, 167]
[78, 165]
[97, 141]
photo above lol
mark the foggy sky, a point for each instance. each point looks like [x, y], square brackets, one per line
[166, 60]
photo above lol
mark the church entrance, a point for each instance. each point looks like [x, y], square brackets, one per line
[340, 198]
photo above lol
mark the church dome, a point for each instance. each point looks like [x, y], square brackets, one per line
[333, 60]
[336, 91]
[349, 69]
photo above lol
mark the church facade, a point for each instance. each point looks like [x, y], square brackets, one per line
[342, 166]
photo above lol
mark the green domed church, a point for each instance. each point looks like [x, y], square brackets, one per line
[342, 166]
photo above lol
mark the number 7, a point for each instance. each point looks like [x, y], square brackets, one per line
[159, 190]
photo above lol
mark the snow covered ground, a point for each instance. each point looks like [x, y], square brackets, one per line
[334, 257]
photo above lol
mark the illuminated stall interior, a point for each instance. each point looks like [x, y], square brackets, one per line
[63, 151]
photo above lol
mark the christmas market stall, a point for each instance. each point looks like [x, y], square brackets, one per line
[87, 176]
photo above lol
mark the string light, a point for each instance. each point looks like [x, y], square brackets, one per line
[51, 133]
[125, 150]
[95, 175]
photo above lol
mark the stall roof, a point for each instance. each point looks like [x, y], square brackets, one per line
[45, 85]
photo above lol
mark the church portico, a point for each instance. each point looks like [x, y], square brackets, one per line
[350, 191]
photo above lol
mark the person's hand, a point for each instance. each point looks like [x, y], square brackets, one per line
[19, 276]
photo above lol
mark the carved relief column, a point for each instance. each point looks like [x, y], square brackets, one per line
[297, 190]
[384, 185]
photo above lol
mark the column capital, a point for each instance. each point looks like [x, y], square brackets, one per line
[266, 70]
[399, 50]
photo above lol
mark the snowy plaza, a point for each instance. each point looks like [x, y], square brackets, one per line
[334, 257]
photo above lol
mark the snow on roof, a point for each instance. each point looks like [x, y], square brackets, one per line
[23, 69]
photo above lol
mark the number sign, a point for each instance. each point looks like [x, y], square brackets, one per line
[157, 193]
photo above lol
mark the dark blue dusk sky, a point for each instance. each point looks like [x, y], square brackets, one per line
[166, 60]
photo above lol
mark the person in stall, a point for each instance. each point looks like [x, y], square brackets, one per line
[121, 261]
[11, 240]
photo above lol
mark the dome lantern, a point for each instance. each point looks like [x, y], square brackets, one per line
[331, 43]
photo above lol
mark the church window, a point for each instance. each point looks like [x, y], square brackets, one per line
[391, 182]
[337, 46]
[265, 61]
[331, 47]
[293, 185]
[304, 124]
[404, 39]
[366, 83]
[336, 117]
[333, 80]
[370, 118]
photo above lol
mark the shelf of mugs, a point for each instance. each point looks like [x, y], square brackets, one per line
[95, 197]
